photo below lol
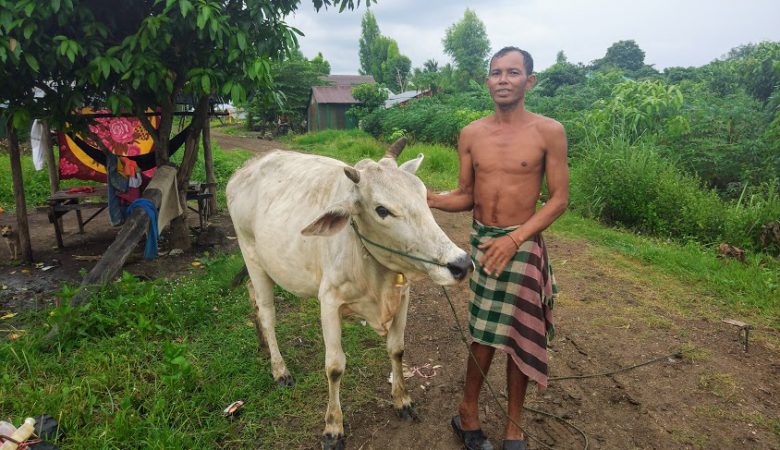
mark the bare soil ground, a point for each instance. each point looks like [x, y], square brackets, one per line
[613, 312]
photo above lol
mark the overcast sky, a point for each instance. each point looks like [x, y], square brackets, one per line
[671, 32]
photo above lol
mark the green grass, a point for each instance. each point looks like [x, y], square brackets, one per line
[36, 183]
[750, 289]
[351, 146]
[152, 365]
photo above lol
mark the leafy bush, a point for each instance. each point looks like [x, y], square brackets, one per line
[633, 186]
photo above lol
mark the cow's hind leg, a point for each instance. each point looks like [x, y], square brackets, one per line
[402, 402]
[335, 364]
[261, 293]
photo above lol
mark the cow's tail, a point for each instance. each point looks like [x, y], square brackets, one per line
[240, 277]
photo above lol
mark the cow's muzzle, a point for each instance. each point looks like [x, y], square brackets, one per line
[460, 267]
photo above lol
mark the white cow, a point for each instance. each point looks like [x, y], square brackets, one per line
[297, 218]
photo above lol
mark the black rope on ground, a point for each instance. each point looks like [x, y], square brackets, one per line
[677, 354]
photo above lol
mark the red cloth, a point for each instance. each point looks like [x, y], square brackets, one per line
[79, 189]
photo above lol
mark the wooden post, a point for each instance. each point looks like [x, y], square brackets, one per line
[21, 206]
[54, 176]
[208, 160]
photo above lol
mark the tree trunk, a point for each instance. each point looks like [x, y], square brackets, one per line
[21, 206]
[208, 160]
[180, 235]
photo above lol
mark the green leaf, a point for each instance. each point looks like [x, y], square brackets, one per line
[105, 67]
[32, 62]
[205, 82]
[55, 5]
[241, 37]
[185, 7]
[28, 30]
[28, 10]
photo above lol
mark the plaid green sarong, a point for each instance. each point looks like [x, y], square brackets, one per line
[513, 312]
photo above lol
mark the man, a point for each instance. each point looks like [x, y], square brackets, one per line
[503, 159]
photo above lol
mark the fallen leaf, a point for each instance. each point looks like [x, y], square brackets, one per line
[196, 263]
[8, 316]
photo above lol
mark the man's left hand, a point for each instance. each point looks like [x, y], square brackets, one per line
[498, 252]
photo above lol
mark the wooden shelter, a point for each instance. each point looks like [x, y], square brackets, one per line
[328, 105]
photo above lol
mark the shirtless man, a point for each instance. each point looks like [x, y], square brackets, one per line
[503, 159]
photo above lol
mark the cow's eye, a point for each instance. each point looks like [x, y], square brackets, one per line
[382, 211]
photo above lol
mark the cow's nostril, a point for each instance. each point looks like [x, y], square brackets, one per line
[460, 267]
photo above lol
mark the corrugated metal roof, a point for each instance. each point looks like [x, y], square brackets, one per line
[333, 94]
[403, 97]
[349, 80]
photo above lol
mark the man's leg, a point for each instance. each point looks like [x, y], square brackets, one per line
[516, 383]
[469, 407]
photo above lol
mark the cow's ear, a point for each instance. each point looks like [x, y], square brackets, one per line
[330, 222]
[412, 165]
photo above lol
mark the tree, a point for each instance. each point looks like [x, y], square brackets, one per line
[139, 54]
[560, 57]
[395, 68]
[293, 78]
[427, 77]
[624, 55]
[368, 37]
[320, 64]
[760, 68]
[380, 57]
[371, 96]
[468, 45]
[558, 75]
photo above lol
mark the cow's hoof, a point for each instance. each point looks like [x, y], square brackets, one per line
[285, 380]
[331, 442]
[408, 413]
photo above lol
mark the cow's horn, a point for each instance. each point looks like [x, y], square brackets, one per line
[352, 174]
[396, 148]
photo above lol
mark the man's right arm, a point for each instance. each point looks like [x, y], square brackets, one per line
[462, 198]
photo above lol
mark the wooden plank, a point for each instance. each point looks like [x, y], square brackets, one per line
[115, 256]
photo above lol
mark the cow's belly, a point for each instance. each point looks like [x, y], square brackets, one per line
[292, 262]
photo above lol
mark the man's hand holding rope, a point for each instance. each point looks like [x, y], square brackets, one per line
[498, 252]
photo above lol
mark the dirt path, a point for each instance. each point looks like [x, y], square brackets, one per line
[609, 315]
[254, 143]
[613, 312]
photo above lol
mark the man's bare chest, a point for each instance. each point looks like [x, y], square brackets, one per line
[514, 158]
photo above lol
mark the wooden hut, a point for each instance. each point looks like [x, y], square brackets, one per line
[328, 104]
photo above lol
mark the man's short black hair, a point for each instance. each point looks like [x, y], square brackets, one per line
[528, 60]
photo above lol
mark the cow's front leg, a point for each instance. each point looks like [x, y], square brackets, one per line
[335, 363]
[402, 402]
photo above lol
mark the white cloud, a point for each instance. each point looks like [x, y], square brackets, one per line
[671, 32]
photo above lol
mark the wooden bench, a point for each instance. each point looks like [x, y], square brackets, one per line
[63, 202]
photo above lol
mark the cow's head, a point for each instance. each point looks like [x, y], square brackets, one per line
[388, 206]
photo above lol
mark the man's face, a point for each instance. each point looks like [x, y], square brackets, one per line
[507, 79]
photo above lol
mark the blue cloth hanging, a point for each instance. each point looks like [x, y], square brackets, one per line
[150, 251]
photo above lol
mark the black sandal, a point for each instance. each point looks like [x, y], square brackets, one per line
[471, 440]
[515, 445]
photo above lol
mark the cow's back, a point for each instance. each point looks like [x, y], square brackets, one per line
[271, 199]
